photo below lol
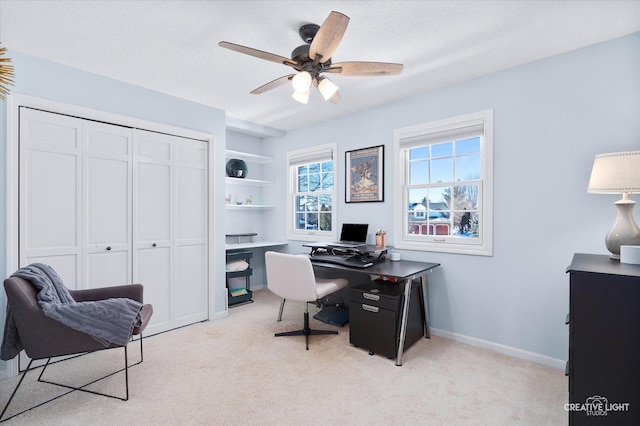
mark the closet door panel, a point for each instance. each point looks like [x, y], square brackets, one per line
[191, 203]
[52, 200]
[154, 272]
[109, 268]
[107, 200]
[50, 203]
[190, 291]
[190, 288]
[65, 265]
[152, 231]
[153, 202]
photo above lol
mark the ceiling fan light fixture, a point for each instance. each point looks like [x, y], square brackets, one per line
[335, 98]
[301, 96]
[327, 88]
[301, 81]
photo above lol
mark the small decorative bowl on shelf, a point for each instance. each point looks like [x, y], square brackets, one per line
[239, 203]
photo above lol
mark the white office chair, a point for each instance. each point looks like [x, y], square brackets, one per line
[291, 276]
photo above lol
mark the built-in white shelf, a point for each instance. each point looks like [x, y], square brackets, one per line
[247, 207]
[254, 244]
[247, 182]
[254, 158]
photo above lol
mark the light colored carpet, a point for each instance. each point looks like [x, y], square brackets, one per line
[234, 372]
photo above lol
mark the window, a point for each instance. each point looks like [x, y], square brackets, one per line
[311, 198]
[445, 187]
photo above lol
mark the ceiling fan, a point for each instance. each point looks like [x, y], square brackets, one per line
[314, 58]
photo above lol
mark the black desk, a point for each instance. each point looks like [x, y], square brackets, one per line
[403, 270]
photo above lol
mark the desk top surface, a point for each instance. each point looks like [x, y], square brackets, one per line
[395, 269]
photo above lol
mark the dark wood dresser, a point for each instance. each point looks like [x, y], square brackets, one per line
[604, 341]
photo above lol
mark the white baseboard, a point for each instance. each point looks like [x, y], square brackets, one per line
[503, 349]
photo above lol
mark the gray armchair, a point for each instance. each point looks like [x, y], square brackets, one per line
[45, 338]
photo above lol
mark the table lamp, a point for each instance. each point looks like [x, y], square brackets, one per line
[618, 173]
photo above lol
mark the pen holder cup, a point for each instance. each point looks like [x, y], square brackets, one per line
[381, 240]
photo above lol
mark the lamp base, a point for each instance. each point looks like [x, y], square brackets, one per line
[625, 231]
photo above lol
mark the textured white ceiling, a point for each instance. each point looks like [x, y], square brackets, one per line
[172, 46]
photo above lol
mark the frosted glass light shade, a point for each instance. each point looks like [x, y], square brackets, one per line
[327, 88]
[301, 96]
[301, 81]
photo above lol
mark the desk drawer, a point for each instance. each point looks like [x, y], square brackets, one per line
[384, 296]
[373, 328]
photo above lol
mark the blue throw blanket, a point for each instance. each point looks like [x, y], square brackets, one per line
[107, 321]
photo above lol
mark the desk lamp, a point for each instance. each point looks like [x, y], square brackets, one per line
[618, 173]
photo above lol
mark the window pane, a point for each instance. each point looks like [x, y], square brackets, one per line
[419, 172]
[468, 167]
[468, 145]
[442, 170]
[327, 181]
[300, 221]
[314, 182]
[314, 168]
[465, 197]
[466, 224]
[303, 170]
[325, 202]
[325, 221]
[439, 198]
[312, 221]
[442, 149]
[327, 166]
[419, 153]
[303, 183]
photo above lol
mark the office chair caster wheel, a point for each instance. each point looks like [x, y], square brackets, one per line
[371, 353]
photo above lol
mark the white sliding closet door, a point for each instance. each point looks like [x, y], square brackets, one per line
[170, 226]
[107, 204]
[190, 289]
[152, 215]
[50, 184]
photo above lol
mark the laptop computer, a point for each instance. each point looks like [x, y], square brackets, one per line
[352, 235]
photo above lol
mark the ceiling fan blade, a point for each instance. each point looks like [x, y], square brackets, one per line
[328, 37]
[364, 69]
[258, 53]
[273, 84]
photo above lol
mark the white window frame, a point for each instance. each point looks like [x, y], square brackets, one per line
[302, 156]
[435, 132]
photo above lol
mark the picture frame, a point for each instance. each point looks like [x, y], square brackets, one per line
[364, 175]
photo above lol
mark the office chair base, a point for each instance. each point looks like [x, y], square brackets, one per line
[72, 388]
[306, 331]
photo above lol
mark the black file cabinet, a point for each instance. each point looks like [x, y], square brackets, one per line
[375, 313]
[604, 342]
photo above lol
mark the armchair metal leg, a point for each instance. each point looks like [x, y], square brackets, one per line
[73, 388]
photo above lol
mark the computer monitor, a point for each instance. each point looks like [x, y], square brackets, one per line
[354, 232]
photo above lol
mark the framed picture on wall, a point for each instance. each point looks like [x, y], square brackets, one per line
[364, 180]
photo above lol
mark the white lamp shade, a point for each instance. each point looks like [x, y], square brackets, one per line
[616, 172]
[327, 88]
[301, 81]
[301, 96]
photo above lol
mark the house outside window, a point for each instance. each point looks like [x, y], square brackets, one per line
[311, 197]
[444, 186]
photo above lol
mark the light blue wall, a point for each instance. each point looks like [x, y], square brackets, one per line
[551, 118]
[44, 79]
